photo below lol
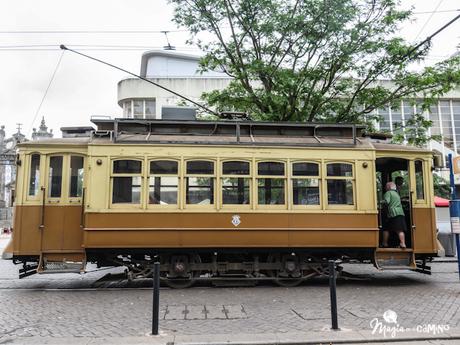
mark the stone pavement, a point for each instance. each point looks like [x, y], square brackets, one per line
[77, 309]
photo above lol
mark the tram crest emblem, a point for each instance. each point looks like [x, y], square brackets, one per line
[236, 220]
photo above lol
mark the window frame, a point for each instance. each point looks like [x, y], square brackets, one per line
[249, 177]
[424, 181]
[283, 177]
[73, 199]
[41, 176]
[292, 177]
[179, 183]
[139, 205]
[64, 193]
[184, 203]
[351, 178]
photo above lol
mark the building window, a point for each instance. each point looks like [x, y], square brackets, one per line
[126, 182]
[34, 177]
[150, 107]
[305, 183]
[55, 177]
[419, 189]
[236, 183]
[139, 108]
[163, 182]
[340, 184]
[271, 190]
[76, 177]
[199, 183]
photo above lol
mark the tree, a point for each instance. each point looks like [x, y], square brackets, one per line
[314, 60]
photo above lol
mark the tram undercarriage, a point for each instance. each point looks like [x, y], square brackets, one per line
[182, 270]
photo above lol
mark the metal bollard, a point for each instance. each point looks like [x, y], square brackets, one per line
[332, 289]
[156, 298]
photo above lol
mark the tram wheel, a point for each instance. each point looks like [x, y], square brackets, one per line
[180, 276]
[283, 277]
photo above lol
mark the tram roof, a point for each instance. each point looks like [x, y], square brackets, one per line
[229, 132]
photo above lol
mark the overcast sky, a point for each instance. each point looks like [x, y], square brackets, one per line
[81, 87]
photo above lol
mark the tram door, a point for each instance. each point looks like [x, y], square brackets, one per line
[394, 170]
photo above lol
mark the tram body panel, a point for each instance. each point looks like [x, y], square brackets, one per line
[205, 230]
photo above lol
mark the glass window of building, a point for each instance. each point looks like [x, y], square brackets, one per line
[419, 184]
[305, 183]
[127, 109]
[76, 177]
[384, 114]
[126, 187]
[34, 176]
[55, 177]
[271, 183]
[236, 183]
[150, 108]
[199, 189]
[340, 184]
[139, 108]
[163, 182]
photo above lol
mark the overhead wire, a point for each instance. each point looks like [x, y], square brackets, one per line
[46, 91]
[428, 20]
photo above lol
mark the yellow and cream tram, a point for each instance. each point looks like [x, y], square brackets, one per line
[217, 198]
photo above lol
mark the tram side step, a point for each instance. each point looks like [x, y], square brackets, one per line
[62, 263]
[394, 259]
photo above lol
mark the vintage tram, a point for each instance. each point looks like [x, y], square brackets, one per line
[216, 199]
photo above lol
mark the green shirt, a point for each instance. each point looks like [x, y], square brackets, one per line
[394, 204]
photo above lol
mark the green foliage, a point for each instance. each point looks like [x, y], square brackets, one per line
[441, 187]
[314, 60]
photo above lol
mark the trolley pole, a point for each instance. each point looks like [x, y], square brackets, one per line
[454, 208]
[156, 298]
[332, 289]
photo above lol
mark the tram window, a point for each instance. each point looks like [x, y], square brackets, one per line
[126, 189]
[163, 167]
[76, 177]
[199, 189]
[34, 177]
[339, 169]
[305, 169]
[163, 187]
[55, 177]
[340, 184]
[271, 191]
[305, 188]
[127, 166]
[271, 168]
[419, 180]
[235, 168]
[305, 191]
[235, 190]
[200, 167]
[340, 192]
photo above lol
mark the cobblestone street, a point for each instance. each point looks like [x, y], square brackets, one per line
[70, 305]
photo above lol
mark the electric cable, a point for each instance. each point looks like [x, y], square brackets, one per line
[46, 91]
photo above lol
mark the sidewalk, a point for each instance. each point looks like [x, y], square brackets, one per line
[450, 337]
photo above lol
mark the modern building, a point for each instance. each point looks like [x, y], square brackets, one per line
[176, 71]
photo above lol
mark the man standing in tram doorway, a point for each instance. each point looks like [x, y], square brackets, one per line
[396, 220]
